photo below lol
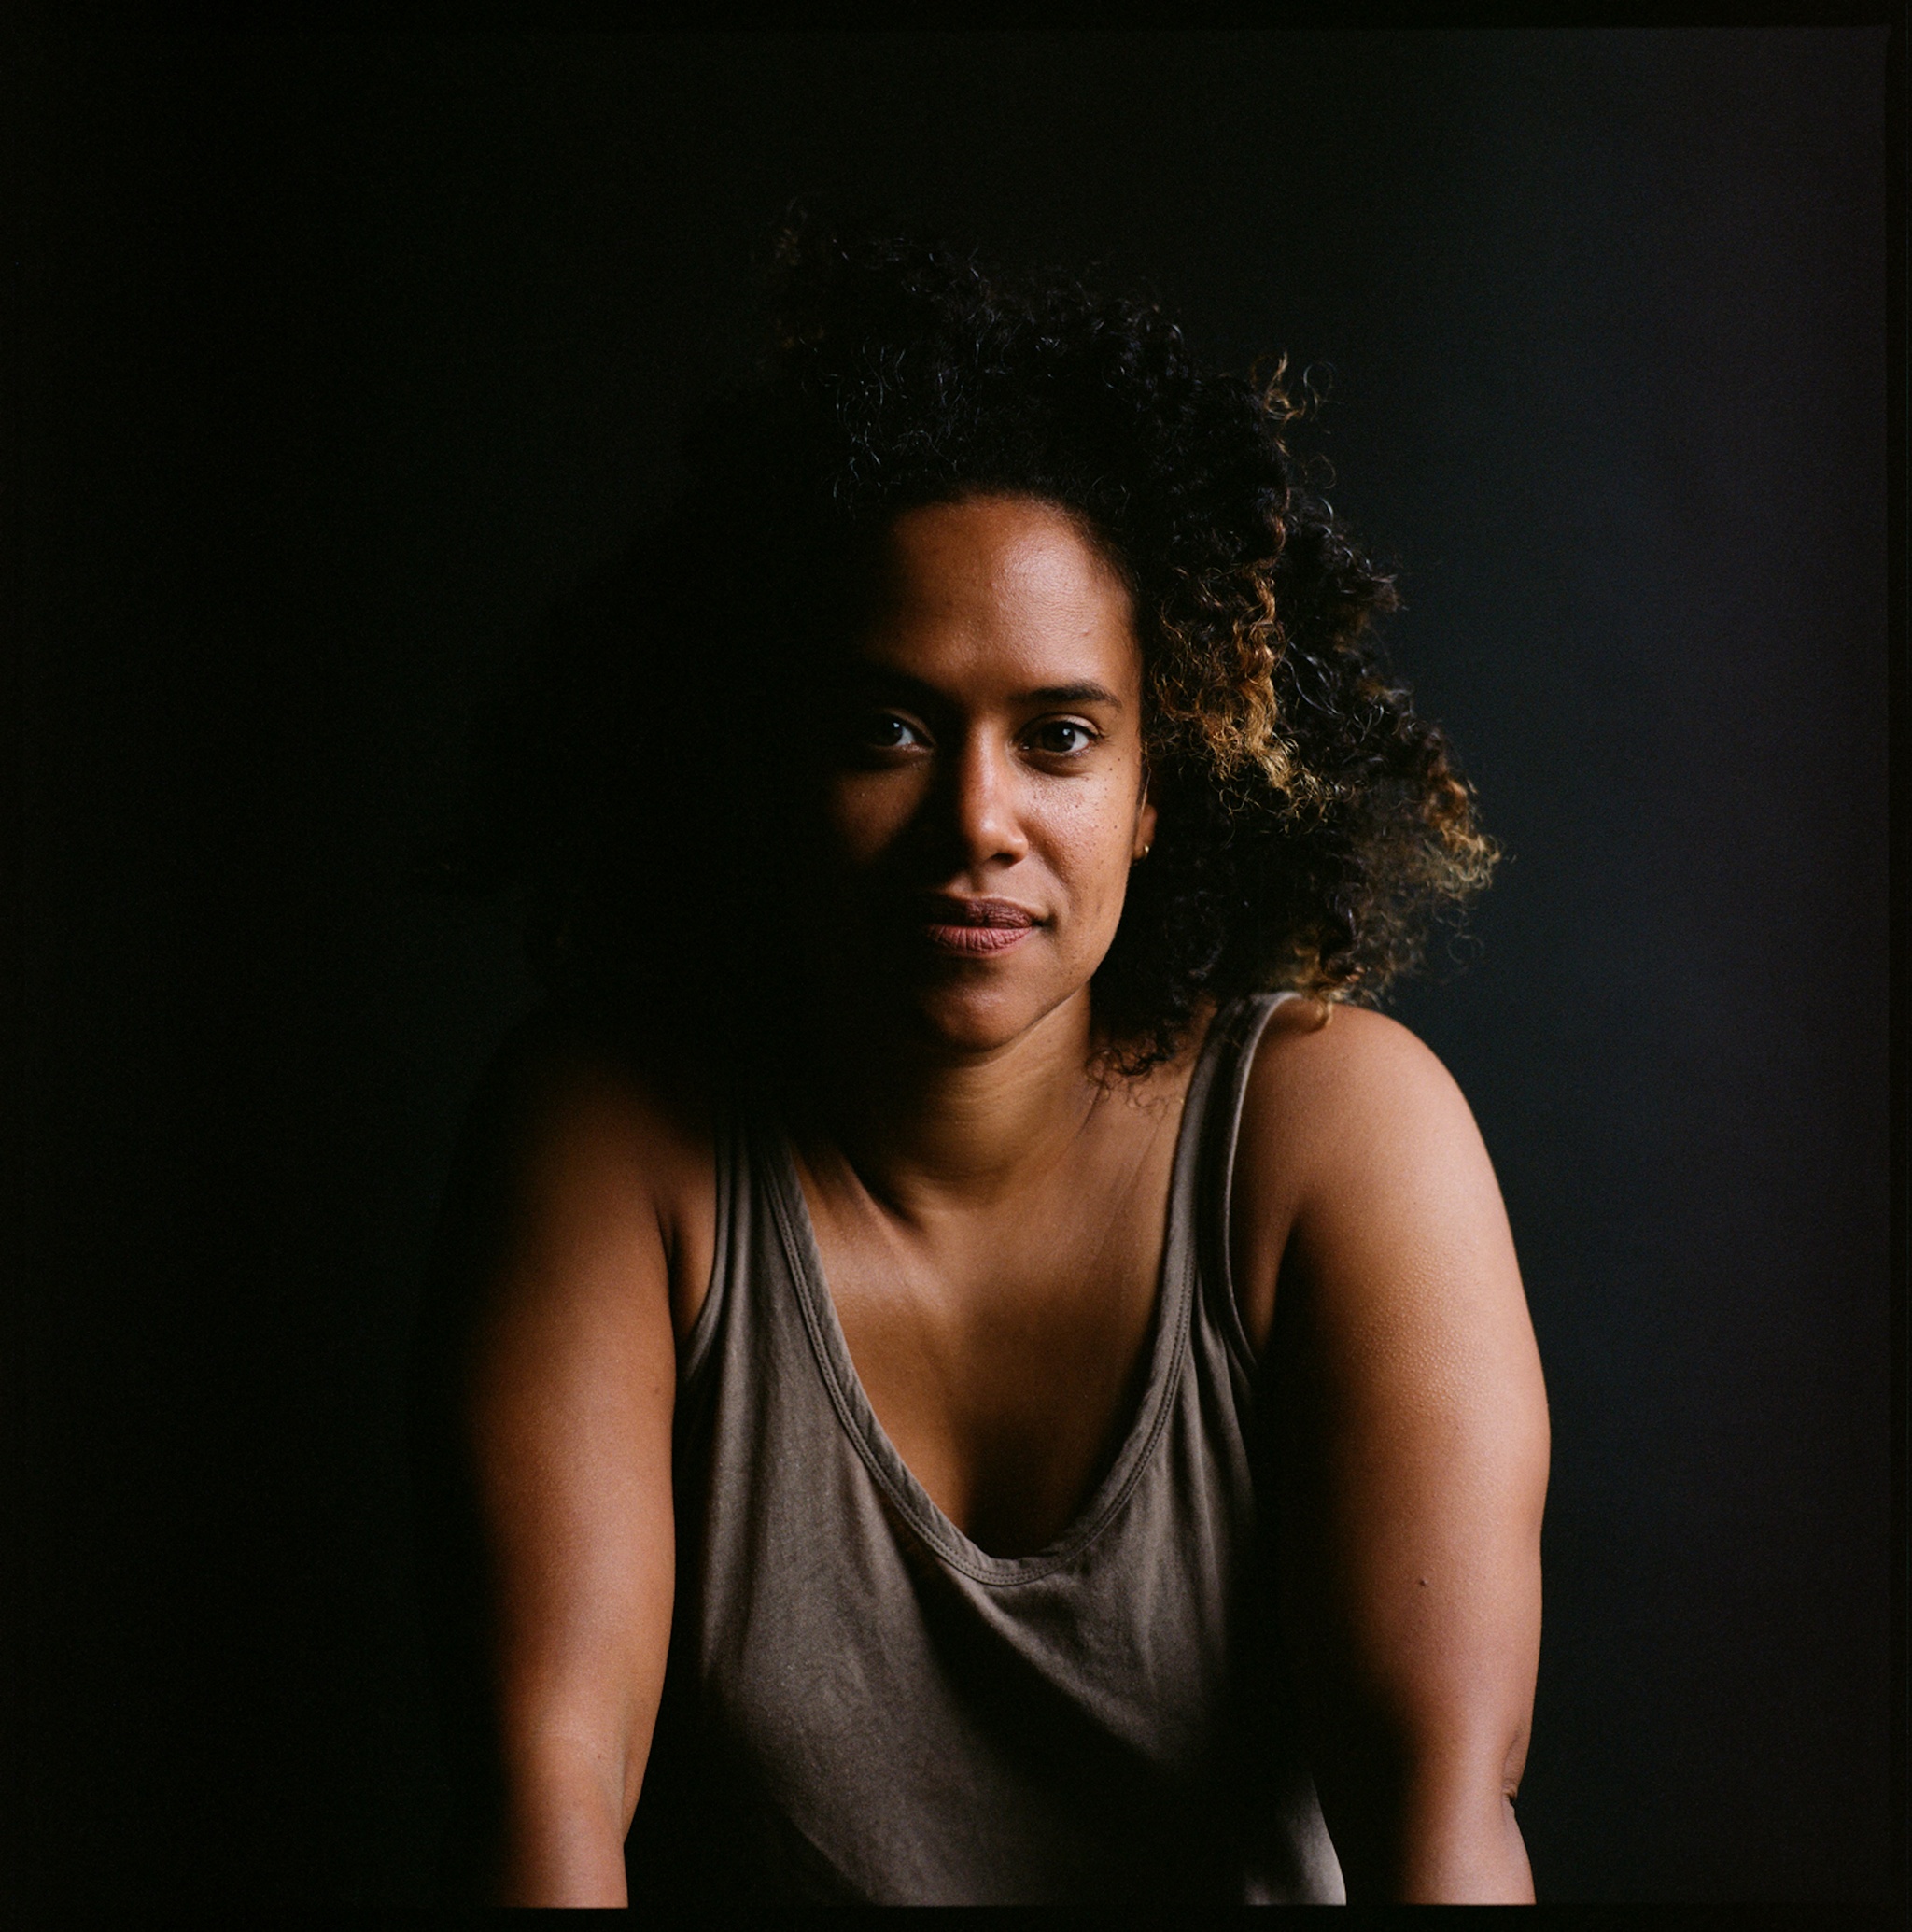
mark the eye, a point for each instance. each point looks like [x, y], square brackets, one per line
[1061, 738]
[882, 731]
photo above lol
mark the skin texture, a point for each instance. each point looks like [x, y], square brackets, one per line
[986, 746]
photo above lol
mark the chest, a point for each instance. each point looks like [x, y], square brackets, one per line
[1002, 1349]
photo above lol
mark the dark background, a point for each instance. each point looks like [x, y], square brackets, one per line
[343, 354]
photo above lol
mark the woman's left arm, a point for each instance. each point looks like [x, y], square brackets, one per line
[1378, 1274]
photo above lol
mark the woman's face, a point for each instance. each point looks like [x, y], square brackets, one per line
[985, 791]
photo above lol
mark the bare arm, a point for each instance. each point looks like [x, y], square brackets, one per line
[1377, 1267]
[563, 1397]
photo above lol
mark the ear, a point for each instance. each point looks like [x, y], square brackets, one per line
[1144, 823]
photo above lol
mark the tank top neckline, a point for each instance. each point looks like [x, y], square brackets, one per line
[771, 1154]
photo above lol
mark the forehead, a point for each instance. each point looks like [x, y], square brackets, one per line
[999, 586]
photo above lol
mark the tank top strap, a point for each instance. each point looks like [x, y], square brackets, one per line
[1215, 1095]
[730, 1252]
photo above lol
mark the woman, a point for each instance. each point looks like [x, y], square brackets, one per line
[973, 1370]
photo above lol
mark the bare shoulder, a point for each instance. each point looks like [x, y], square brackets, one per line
[1343, 1065]
[1335, 1094]
[583, 1140]
[1357, 1148]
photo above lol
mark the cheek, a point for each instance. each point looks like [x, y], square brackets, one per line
[866, 812]
[1092, 839]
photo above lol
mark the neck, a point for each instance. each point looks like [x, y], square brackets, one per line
[924, 1125]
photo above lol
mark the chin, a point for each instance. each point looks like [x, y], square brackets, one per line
[977, 1020]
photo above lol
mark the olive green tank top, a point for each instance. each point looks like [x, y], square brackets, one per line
[862, 1706]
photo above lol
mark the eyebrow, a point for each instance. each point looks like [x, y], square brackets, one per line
[1073, 693]
[1085, 693]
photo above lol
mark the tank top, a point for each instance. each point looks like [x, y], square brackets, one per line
[863, 1706]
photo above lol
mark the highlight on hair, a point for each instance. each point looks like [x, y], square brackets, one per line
[1311, 827]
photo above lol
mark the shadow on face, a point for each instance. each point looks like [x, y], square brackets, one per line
[983, 789]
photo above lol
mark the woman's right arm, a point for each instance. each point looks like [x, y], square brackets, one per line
[561, 1395]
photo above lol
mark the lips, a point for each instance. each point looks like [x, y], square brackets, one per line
[975, 929]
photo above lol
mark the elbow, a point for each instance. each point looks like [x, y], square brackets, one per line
[567, 1806]
[1440, 1830]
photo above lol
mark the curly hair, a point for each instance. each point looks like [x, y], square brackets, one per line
[1310, 824]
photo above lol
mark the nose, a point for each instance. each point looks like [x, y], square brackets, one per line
[983, 809]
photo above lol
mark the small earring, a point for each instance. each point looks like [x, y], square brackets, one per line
[1145, 852]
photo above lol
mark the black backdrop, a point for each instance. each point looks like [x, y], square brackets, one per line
[343, 354]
